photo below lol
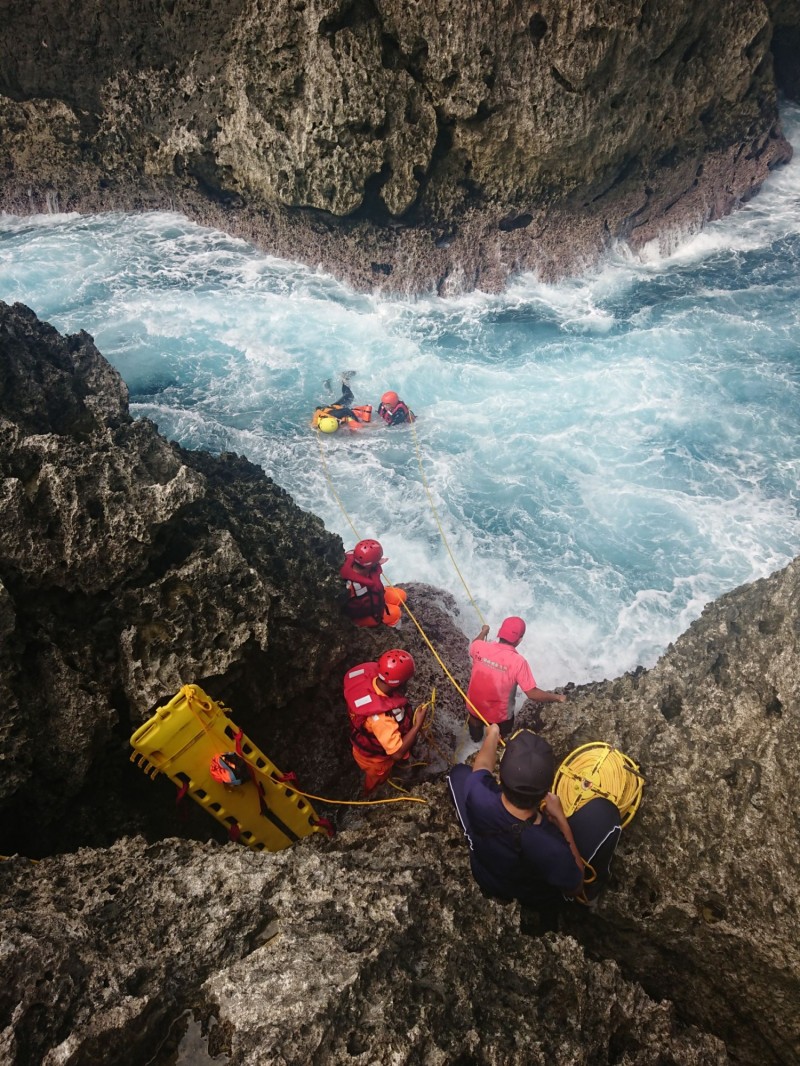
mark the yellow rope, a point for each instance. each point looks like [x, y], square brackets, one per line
[447, 673]
[406, 608]
[426, 727]
[597, 769]
[359, 803]
[396, 786]
[324, 799]
[330, 485]
[190, 697]
[439, 524]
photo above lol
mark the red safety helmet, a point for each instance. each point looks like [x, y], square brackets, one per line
[389, 399]
[395, 667]
[512, 630]
[368, 553]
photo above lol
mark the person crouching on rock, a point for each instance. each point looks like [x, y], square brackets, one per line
[522, 845]
[383, 726]
[369, 602]
[393, 411]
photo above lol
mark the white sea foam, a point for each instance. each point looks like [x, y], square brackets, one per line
[604, 456]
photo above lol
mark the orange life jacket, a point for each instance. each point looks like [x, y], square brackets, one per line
[363, 414]
[363, 701]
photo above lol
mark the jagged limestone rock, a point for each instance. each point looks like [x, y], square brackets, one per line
[375, 948]
[402, 145]
[707, 894]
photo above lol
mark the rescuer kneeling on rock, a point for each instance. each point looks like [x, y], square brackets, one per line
[383, 726]
[522, 846]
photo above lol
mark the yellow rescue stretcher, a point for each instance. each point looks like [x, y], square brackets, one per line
[597, 769]
[181, 740]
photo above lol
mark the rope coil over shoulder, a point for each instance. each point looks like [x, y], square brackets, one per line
[597, 769]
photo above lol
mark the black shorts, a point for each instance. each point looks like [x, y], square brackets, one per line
[476, 728]
[596, 828]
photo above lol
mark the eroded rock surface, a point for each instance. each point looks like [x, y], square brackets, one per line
[128, 566]
[713, 867]
[400, 145]
[375, 948]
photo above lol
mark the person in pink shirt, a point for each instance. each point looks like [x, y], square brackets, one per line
[497, 670]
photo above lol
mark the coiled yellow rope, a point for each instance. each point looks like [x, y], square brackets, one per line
[597, 769]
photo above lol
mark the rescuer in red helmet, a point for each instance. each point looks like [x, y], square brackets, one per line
[393, 411]
[369, 602]
[383, 726]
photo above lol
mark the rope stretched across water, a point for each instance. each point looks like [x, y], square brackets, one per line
[441, 530]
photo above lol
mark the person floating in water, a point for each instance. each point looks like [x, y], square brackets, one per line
[370, 602]
[329, 417]
[393, 411]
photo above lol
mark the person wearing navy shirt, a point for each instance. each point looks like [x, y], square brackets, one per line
[516, 852]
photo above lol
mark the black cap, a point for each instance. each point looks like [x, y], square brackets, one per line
[528, 764]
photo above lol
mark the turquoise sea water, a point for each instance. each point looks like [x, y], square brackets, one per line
[605, 455]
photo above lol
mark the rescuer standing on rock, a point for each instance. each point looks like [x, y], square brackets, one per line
[497, 670]
[383, 726]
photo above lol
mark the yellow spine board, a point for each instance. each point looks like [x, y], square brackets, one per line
[597, 769]
[181, 739]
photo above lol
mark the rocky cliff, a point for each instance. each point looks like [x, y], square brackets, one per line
[400, 145]
[128, 566]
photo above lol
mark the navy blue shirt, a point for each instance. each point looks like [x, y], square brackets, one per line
[512, 859]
